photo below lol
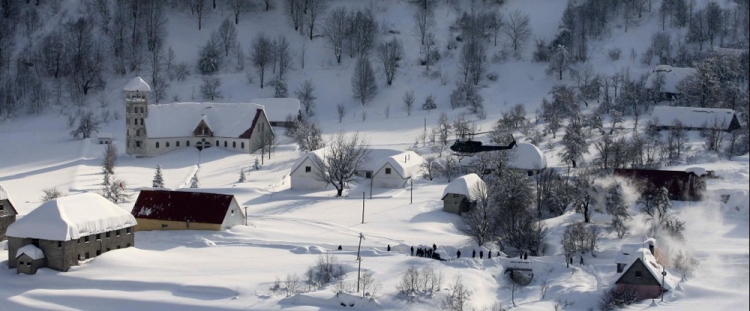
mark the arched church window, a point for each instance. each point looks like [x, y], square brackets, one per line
[157, 144]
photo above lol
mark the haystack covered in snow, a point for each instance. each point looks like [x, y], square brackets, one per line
[7, 212]
[72, 228]
[666, 78]
[278, 110]
[155, 129]
[693, 118]
[644, 274]
[186, 210]
[458, 196]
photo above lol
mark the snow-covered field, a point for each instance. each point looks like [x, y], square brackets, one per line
[288, 230]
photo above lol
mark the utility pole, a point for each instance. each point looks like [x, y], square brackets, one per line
[359, 259]
[411, 192]
[663, 274]
[245, 216]
[371, 181]
[363, 207]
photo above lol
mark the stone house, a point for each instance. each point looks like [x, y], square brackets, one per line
[458, 196]
[103, 138]
[71, 229]
[163, 209]
[156, 129]
[29, 259]
[7, 212]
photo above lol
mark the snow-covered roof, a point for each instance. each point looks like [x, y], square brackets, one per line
[71, 217]
[692, 117]
[104, 135]
[463, 185]
[670, 75]
[277, 109]
[312, 155]
[627, 251]
[377, 158]
[525, 156]
[405, 163]
[137, 84]
[180, 119]
[4, 194]
[697, 170]
[649, 261]
[30, 250]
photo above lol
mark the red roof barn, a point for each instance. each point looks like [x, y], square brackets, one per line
[186, 210]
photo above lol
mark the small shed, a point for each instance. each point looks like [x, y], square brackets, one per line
[104, 138]
[29, 259]
[458, 196]
[692, 118]
[304, 170]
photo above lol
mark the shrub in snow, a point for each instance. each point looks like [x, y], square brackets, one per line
[458, 298]
[210, 57]
[87, 124]
[429, 103]
[614, 299]
[614, 53]
[325, 270]
[580, 239]
[292, 284]
[210, 88]
[242, 176]
[194, 181]
[51, 194]
[279, 88]
[181, 71]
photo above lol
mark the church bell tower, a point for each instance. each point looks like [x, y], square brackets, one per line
[136, 112]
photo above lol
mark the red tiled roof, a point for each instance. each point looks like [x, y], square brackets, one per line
[190, 206]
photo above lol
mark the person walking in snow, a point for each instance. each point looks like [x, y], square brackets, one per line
[489, 254]
[458, 254]
[481, 254]
[434, 247]
[389, 247]
[581, 260]
[339, 247]
[412, 251]
[473, 253]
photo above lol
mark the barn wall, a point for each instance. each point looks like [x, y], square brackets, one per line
[152, 225]
[455, 204]
[300, 180]
[233, 217]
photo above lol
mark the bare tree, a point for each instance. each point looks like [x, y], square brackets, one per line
[51, 194]
[238, 6]
[52, 53]
[479, 222]
[389, 53]
[85, 56]
[261, 53]
[341, 159]
[306, 97]
[210, 87]
[198, 6]
[283, 56]
[335, 30]
[408, 101]
[87, 124]
[361, 32]
[560, 62]
[154, 23]
[424, 23]
[315, 8]
[227, 34]
[267, 142]
[109, 157]
[496, 23]
[295, 9]
[341, 110]
[364, 86]
[517, 29]
[159, 83]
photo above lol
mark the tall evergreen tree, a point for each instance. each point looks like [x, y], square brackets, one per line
[194, 181]
[158, 178]
[242, 176]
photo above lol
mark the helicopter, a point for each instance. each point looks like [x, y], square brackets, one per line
[467, 147]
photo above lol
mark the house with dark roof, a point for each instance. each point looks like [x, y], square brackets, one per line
[681, 185]
[645, 275]
[163, 209]
[7, 212]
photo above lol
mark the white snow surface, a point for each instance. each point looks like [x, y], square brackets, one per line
[464, 185]
[526, 156]
[692, 116]
[672, 76]
[277, 109]
[71, 217]
[137, 84]
[30, 250]
[180, 119]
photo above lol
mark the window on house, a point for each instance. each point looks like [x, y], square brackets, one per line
[108, 249]
[20, 263]
[157, 144]
[368, 175]
[2, 207]
[163, 226]
[177, 143]
[98, 236]
[217, 143]
[138, 133]
[167, 144]
[118, 246]
[79, 256]
[234, 144]
[59, 244]
[232, 211]
[28, 263]
[86, 239]
[117, 232]
[135, 121]
[87, 255]
[639, 274]
[128, 245]
[127, 230]
[225, 144]
[387, 170]
[79, 240]
[142, 122]
[138, 144]
[98, 253]
[308, 169]
[243, 146]
[106, 235]
[187, 143]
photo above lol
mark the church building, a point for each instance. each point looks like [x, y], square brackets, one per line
[156, 129]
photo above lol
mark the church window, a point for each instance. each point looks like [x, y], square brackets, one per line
[138, 144]
[137, 132]
[178, 143]
[167, 144]
[187, 143]
[157, 144]
[217, 143]
[142, 122]
[225, 144]
[243, 145]
[135, 121]
[234, 144]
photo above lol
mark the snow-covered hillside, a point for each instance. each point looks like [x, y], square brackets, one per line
[288, 230]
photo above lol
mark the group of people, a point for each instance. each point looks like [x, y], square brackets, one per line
[481, 254]
[425, 252]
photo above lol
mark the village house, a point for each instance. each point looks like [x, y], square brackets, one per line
[61, 232]
[692, 118]
[387, 168]
[664, 79]
[644, 274]
[681, 185]
[281, 112]
[104, 138]
[156, 129]
[623, 258]
[7, 212]
[459, 196]
[523, 157]
[163, 209]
